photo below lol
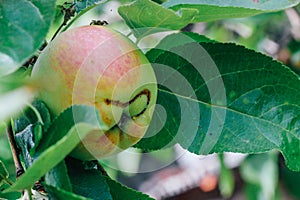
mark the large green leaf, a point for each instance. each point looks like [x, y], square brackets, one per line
[10, 196]
[58, 177]
[58, 193]
[120, 192]
[146, 17]
[209, 10]
[58, 184]
[267, 5]
[62, 137]
[65, 122]
[224, 97]
[87, 182]
[24, 25]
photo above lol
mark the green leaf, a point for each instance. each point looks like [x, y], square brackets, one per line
[58, 193]
[73, 124]
[83, 4]
[10, 196]
[252, 191]
[181, 39]
[3, 173]
[291, 181]
[169, 135]
[224, 97]
[226, 182]
[41, 113]
[36, 114]
[209, 10]
[58, 177]
[261, 171]
[28, 128]
[13, 81]
[146, 17]
[5, 182]
[65, 122]
[120, 192]
[87, 182]
[268, 5]
[25, 142]
[24, 25]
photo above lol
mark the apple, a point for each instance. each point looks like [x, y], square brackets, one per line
[97, 66]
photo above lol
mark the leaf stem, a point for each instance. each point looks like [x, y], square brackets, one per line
[68, 14]
[64, 26]
[58, 30]
[15, 151]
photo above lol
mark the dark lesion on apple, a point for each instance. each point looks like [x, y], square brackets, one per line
[145, 92]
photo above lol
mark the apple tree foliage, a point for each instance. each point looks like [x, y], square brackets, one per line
[254, 109]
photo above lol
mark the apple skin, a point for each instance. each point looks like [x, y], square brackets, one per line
[97, 66]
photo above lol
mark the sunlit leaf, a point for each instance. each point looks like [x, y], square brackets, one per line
[224, 97]
[24, 25]
[145, 17]
[209, 10]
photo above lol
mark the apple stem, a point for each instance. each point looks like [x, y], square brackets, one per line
[15, 151]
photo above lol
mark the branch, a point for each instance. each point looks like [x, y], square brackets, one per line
[15, 151]
[68, 14]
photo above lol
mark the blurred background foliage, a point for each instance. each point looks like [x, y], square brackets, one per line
[261, 176]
